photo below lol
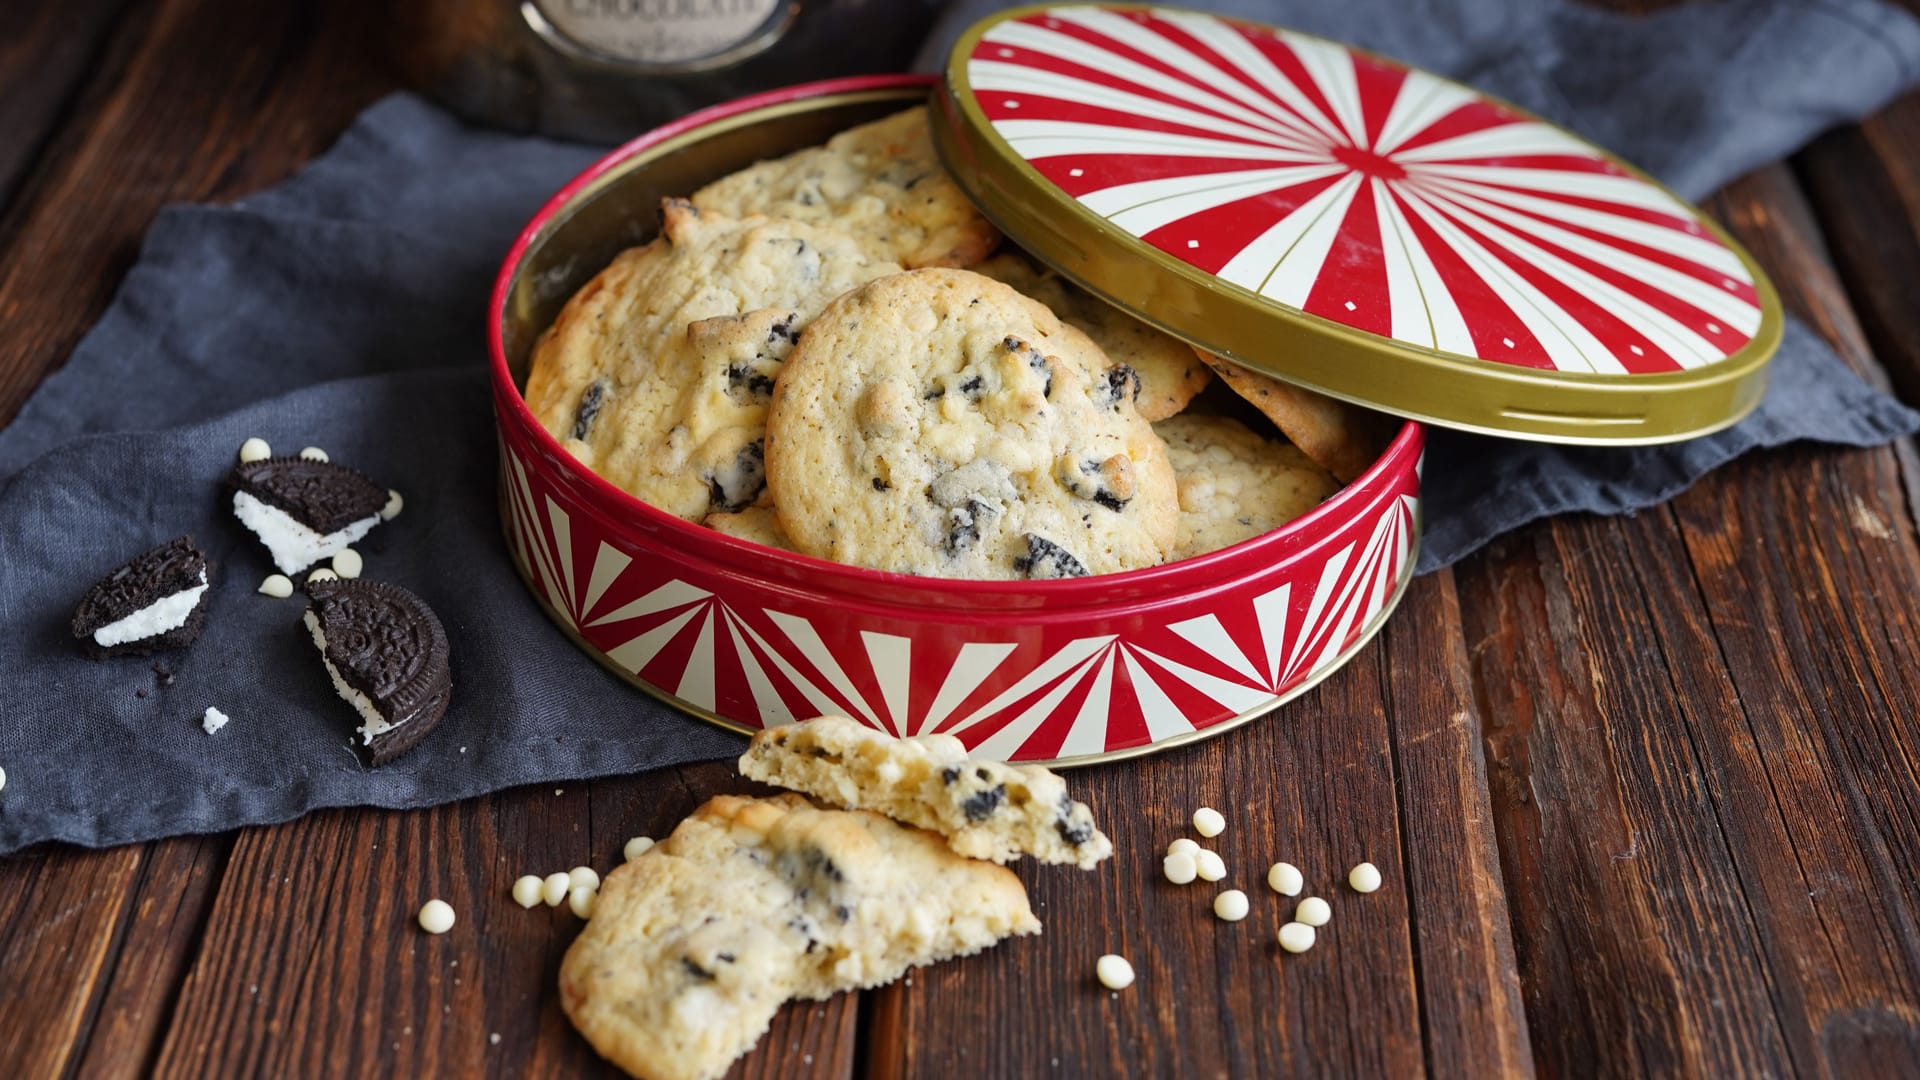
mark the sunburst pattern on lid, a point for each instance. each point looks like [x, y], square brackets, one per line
[1375, 196]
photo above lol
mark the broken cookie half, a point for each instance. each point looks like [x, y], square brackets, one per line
[154, 603]
[986, 809]
[305, 511]
[387, 656]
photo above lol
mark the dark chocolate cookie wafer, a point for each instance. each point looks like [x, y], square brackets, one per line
[154, 603]
[387, 655]
[305, 511]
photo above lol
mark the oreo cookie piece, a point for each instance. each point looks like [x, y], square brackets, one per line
[305, 511]
[154, 603]
[387, 655]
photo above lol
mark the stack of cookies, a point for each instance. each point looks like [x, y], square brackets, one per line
[822, 353]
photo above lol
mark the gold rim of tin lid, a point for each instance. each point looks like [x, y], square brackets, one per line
[1284, 341]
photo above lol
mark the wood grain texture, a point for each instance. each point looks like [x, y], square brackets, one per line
[215, 98]
[50, 54]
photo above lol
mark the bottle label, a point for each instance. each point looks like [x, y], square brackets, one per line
[664, 32]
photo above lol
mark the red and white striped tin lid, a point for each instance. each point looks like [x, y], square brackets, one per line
[1344, 222]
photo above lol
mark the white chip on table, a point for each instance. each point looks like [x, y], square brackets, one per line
[348, 563]
[322, 574]
[1231, 905]
[1296, 937]
[394, 504]
[580, 899]
[3, 779]
[583, 877]
[1313, 911]
[555, 888]
[1364, 878]
[1180, 867]
[526, 891]
[1286, 879]
[436, 917]
[1209, 822]
[1113, 972]
[313, 453]
[1182, 844]
[638, 846]
[255, 449]
[1209, 865]
[278, 586]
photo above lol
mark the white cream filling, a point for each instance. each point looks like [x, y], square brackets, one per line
[295, 547]
[163, 615]
[375, 723]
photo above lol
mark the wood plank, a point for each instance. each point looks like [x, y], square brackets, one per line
[1678, 700]
[50, 53]
[222, 97]
[1408, 980]
[59, 915]
[313, 964]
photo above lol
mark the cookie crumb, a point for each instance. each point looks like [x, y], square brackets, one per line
[1231, 906]
[255, 449]
[278, 586]
[436, 917]
[1285, 879]
[1296, 937]
[1209, 822]
[214, 720]
[1364, 878]
[526, 891]
[313, 453]
[1313, 911]
[1113, 972]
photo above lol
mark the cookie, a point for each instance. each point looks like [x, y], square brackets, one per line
[154, 603]
[1170, 373]
[937, 422]
[386, 653]
[694, 945]
[656, 375]
[1345, 439]
[304, 510]
[759, 524]
[1235, 483]
[881, 182]
[985, 809]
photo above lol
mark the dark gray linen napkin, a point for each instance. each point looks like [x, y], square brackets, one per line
[345, 309]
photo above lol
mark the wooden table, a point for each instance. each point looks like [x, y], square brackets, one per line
[1645, 789]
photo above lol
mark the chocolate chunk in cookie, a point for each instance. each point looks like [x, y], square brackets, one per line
[387, 655]
[154, 603]
[1047, 561]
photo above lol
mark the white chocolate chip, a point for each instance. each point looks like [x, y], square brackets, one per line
[1231, 905]
[1180, 867]
[278, 586]
[1209, 822]
[322, 574]
[580, 899]
[583, 877]
[1313, 911]
[1296, 937]
[3, 779]
[348, 563]
[638, 846]
[1285, 879]
[1113, 972]
[554, 889]
[526, 891]
[1364, 878]
[1209, 865]
[255, 449]
[313, 453]
[436, 917]
[394, 504]
[1182, 844]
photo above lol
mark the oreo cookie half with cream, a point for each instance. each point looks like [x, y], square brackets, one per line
[154, 603]
[387, 655]
[305, 511]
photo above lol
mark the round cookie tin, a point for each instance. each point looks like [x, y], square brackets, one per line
[1069, 672]
[1344, 222]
